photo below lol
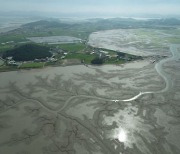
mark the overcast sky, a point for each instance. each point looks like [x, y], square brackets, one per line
[118, 7]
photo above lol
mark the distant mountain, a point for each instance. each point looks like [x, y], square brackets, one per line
[54, 27]
[28, 52]
[44, 24]
[165, 22]
[99, 23]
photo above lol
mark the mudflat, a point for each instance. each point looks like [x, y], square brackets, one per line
[62, 109]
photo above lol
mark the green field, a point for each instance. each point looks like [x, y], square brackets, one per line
[86, 57]
[10, 37]
[32, 65]
[5, 47]
[7, 68]
[73, 47]
[114, 61]
[1, 62]
[76, 32]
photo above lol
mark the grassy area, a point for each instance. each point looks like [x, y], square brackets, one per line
[13, 37]
[76, 32]
[5, 47]
[7, 68]
[1, 62]
[73, 47]
[86, 57]
[32, 65]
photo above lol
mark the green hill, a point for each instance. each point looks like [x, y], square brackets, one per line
[44, 24]
[28, 52]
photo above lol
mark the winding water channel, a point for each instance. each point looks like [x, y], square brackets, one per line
[159, 68]
[162, 73]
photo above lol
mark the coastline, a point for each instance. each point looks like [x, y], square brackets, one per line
[124, 65]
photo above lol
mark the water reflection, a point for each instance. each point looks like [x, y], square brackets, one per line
[122, 135]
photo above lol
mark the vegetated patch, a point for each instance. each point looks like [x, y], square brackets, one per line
[28, 52]
[114, 61]
[81, 56]
[32, 65]
[97, 61]
[12, 37]
[8, 68]
[5, 47]
[73, 47]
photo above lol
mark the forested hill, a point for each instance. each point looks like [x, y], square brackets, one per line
[92, 25]
[28, 52]
[82, 29]
[45, 24]
[98, 23]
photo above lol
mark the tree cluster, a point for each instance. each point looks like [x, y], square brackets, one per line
[28, 52]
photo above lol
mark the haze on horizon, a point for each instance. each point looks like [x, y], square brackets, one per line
[93, 7]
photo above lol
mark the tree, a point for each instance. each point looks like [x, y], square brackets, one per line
[28, 52]
[97, 61]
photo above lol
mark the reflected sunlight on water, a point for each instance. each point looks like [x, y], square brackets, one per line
[122, 135]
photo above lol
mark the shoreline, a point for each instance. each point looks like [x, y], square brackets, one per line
[62, 65]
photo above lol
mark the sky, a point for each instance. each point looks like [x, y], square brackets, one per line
[94, 7]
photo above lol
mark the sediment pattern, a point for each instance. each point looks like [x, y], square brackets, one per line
[75, 114]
